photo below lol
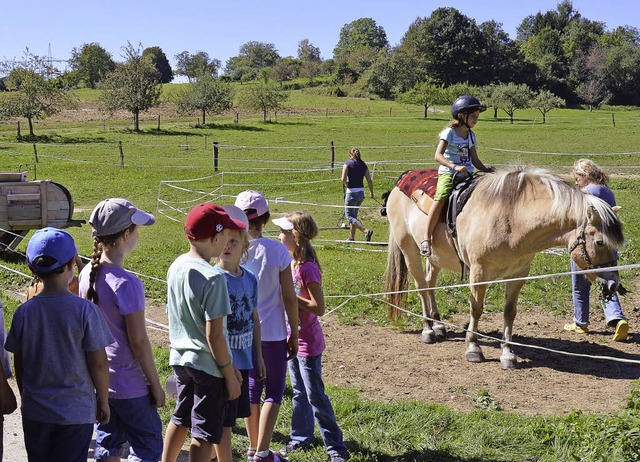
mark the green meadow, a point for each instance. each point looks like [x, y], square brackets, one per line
[167, 170]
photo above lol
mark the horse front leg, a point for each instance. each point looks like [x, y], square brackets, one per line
[474, 352]
[508, 359]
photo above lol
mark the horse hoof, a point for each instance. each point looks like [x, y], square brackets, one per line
[474, 356]
[441, 331]
[428, 336]
[508, 361]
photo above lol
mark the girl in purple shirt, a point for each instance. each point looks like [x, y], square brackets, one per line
[134, 387]
[310, 401]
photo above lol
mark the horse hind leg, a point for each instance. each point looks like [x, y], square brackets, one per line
[432, 329]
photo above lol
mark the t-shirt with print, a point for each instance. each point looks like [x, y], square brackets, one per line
[53, 333]
[457, 150]
[120, 293]
[266, 260]
[243, 298]
[310, 336]
[196, 293]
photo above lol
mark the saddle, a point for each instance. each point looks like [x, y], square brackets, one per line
[420, 187]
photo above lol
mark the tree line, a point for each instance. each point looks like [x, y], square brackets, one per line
[558, 58]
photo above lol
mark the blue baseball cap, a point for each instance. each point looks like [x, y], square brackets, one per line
[53, 243]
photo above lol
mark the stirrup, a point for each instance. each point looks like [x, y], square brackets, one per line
[425, 248]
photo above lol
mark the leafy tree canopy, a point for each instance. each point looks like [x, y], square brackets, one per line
[91, 63]
[207, 94]
[33, 93]
[307, 52]
[195, 65]
[263, 97]
[160, 61]
[134, 86]
[361, 33]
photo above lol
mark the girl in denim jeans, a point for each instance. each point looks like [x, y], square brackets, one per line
[305, 370]
[354, 171]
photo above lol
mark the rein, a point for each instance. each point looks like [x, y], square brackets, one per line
[581, 242]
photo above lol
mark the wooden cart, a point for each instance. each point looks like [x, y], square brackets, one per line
[27, 205]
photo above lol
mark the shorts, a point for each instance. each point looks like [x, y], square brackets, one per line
[201, 404]
[352, 200]
[48, 441]
[445, 185]
[240, 407]
[275, 361]
[133, 420]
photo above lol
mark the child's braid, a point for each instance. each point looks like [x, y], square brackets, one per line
[95, 264]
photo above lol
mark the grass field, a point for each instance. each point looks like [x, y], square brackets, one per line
[290, 160]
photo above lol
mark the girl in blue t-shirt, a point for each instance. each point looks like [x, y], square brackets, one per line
[243, 325]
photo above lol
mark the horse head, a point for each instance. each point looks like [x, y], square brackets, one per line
[595, 246]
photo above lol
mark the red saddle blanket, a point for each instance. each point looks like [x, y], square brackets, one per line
[412, 180]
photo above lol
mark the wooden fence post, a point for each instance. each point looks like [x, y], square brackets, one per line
[35, 152]
[19, 134]
[333, 156]
[121, 154]
[158, 122]
[613, 119]
[215, 156]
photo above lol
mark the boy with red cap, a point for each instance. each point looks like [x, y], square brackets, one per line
[197, 308]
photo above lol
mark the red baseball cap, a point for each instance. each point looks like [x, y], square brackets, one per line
[206, 220]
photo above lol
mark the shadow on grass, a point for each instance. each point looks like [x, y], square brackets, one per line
[231, 127]
[59, 139]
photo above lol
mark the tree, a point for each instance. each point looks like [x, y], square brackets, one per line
[192, 66]
[363, 32]
[510, 97]
[92, 63]
[285, 69]
[133, 86]
[309, 55]
[427, 94]
[253, 57]
[207, 94]
[447, 46]
[263, 97]
[161, 63]
[544, 101]
[592, 92]
[381, 75]
[31, 94]
[307, 52]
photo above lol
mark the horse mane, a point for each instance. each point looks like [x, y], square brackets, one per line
[509, 187]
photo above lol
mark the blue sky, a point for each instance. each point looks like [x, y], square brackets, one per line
[221, 27]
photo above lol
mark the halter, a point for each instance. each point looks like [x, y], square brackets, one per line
[581, 242]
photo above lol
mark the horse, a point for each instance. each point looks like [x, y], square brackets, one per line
[510, 216]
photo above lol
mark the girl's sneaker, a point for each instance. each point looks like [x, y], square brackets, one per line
[250, 455]
[274, 456]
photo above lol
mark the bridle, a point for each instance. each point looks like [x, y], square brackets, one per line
[581, 242]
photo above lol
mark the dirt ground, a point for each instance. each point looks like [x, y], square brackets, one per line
[385, 364]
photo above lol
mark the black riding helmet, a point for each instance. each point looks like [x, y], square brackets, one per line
[466, 104]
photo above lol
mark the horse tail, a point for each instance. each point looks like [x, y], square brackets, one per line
[396, 277]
